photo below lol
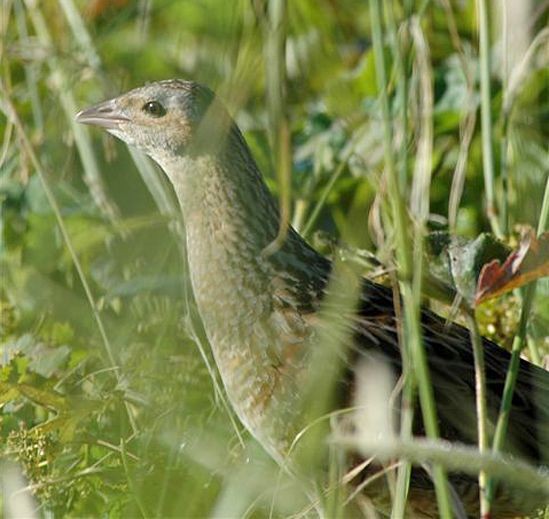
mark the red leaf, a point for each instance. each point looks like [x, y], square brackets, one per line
[528, 263]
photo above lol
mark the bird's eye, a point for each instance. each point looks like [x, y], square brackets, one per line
[154, 108]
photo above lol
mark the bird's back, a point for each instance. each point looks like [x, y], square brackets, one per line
[451, 365]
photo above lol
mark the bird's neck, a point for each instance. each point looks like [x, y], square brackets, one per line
[230, 218]
[227, 225]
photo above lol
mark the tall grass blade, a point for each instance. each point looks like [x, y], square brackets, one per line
[275, 59]
[486, 117]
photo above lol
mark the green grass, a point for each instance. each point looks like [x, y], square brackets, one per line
[375, 123]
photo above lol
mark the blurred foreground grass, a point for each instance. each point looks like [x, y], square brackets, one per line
[110, 402]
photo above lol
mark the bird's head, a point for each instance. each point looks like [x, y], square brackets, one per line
[162, 119]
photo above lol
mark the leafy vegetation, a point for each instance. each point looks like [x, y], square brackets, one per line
[110, 400]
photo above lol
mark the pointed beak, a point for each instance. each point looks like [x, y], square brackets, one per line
[106, 115]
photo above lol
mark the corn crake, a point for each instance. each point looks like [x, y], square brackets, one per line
[259, 310]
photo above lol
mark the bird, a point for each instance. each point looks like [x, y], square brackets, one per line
[261, 310]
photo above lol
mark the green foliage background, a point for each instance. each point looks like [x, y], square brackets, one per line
[128, 421]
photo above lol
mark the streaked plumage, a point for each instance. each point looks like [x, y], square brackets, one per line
[259, 310]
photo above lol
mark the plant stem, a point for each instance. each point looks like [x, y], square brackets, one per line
[504, 146]
[308, 227]
[31, 76]
[412, 309]
[397, 205]
[409, 391]
[486, 117]
[401, 92]
[482, 413]
[275, 51]
[467, 123]
[131, 483]
[518, 345]
[510, 382]
[404, 470]
[458, 458]
[81, 33]
[544, 213]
